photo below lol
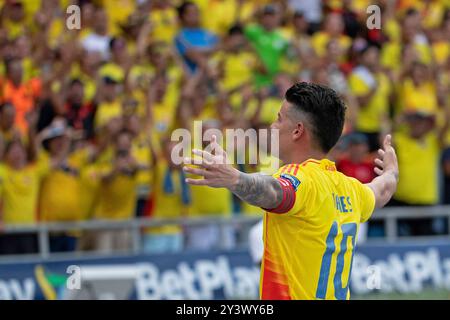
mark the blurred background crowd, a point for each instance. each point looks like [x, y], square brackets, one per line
[86, 115]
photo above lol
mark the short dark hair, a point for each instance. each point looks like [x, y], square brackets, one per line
[5, 105]
[9, 61]
[411, 11]
[112, 42]
[75, 81]
[183, 7]
[269, 9]
[324, 108]
[235, 29]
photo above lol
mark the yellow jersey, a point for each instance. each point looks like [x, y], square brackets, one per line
[64, 204]
[112, 70]
[422, 97]
[60, 204]
[19, 191]
[116, 16]
[117, 199]
[370, 117]
[141, 151]
[391, 54]
[210, 201]
[164, 23]
[237, 68]
[223, 11]
[106, 111]
[172, 198]
[417, 162]
[268, 112]
[309, 243]
[321, 39]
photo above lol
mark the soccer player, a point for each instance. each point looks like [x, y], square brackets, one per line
[312, 210]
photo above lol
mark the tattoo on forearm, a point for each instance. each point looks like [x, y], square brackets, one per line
[259, 190]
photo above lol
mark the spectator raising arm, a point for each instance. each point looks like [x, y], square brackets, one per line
[385, 184]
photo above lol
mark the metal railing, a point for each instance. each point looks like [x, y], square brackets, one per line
[242, 224]
[43, 230]
[391, 215]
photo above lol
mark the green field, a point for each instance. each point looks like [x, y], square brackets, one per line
[424, 295]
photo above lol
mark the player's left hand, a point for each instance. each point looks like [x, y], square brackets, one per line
[387, 161]
[214, 168]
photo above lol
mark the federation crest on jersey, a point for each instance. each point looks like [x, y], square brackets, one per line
[292, 179]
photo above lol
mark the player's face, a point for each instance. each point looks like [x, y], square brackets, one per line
[300, 24]
[57, 144]
[285, 127]
[371, 57]
[7, 117]
[15, 154]
[270, 21]
[334, 24]
[419, 126]
[15, 72]
[76, 93]
[191, 16]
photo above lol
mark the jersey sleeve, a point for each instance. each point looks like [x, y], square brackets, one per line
[357, 86]
[367, 202]
[296, 190]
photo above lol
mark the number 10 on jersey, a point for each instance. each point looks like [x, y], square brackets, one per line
[348, 230]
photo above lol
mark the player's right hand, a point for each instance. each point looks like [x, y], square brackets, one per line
[214, 168]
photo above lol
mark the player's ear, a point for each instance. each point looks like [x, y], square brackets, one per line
[298, 131]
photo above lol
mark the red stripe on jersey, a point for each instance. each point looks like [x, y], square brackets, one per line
[292, 168]
[296, 169]
[273, 290]
[277, 269]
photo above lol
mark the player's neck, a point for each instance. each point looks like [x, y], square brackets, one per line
[300, 157]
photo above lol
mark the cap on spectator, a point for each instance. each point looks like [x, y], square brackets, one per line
[54, 131]
[110, 80]
[75, 81]
[419, 114]
[410, 11]
[235, 29]
[269, 9]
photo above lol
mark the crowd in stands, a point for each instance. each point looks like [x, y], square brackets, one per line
[86, 115]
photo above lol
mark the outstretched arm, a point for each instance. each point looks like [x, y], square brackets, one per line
[385, 184]
[257, 189]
